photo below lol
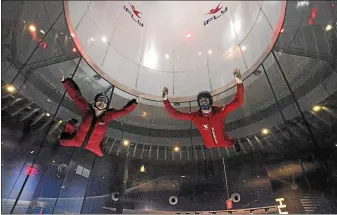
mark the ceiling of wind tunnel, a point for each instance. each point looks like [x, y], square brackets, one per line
[143, 46]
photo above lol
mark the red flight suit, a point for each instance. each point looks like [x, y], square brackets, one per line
[212, 125]
[92, 129]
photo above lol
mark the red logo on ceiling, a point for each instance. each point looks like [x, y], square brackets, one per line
[134, 13]
[214, 12]
[217, 9]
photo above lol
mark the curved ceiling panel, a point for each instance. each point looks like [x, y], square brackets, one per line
[142, 46]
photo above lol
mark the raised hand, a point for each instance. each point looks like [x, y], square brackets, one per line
[165, 93]
[237, 76]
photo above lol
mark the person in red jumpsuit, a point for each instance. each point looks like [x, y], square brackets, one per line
[210, 119]
[95, 120]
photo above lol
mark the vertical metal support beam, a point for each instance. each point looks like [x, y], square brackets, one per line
[211, 152]
[259, 142]
[165, 152]
[243, 148]
[113, 144]
[251, 144]
[29, 114]
[141, 155]
[193, 149]
[188, 154]
[150, 152]
[157, 152]
[134, 150]
[127, 150]
[16, 100]
[86, 187]
[203, 152]
[120, 205]
[317, 148]
[36, 155]
[21, 108]
[120, 146]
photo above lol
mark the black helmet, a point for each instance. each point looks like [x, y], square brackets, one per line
[205, 105]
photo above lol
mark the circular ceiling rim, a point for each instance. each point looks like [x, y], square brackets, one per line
[149, 97]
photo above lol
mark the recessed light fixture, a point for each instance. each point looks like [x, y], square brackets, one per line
[210, 52]
[32, 28]
[176, 149]
[167, 56]
[282, 30]
[328, 27]
[91, 39]
[188, 35]
[42, 31]
[265, 131]
[10, 88]
[74, 49]
[126, 142]
[243, 48]
[104, 39]
[199, 53]
[316, 108]
[72, 34]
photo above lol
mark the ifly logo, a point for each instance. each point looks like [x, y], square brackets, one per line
[215, 13]
[134, 13]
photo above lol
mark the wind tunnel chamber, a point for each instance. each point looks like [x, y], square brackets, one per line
[153, 163]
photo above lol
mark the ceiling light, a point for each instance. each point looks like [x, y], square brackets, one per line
[265, 131]
[210, 52]
[176, 149]
[91, 39]
[302, 3]
[53, 161]
[142, 168]
[48, 114]
[282, 30]
[32, 28]
[188, 35]
[243, 48]
[104, 39]
[72, 34]
[10, 88]
[328, 27]
[199, 53]
[32, 152]
[167, 56]
[316, 108]
[74, 49]
[60, 121]
[126, 142]
[183, 176]
[144, 114]
[42, 31]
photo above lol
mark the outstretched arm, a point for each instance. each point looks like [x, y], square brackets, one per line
[128, 108]
[75, 94]
[239, 97]
[175, 113]
[171, 110]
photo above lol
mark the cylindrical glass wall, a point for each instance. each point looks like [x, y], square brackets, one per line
[289, 113]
